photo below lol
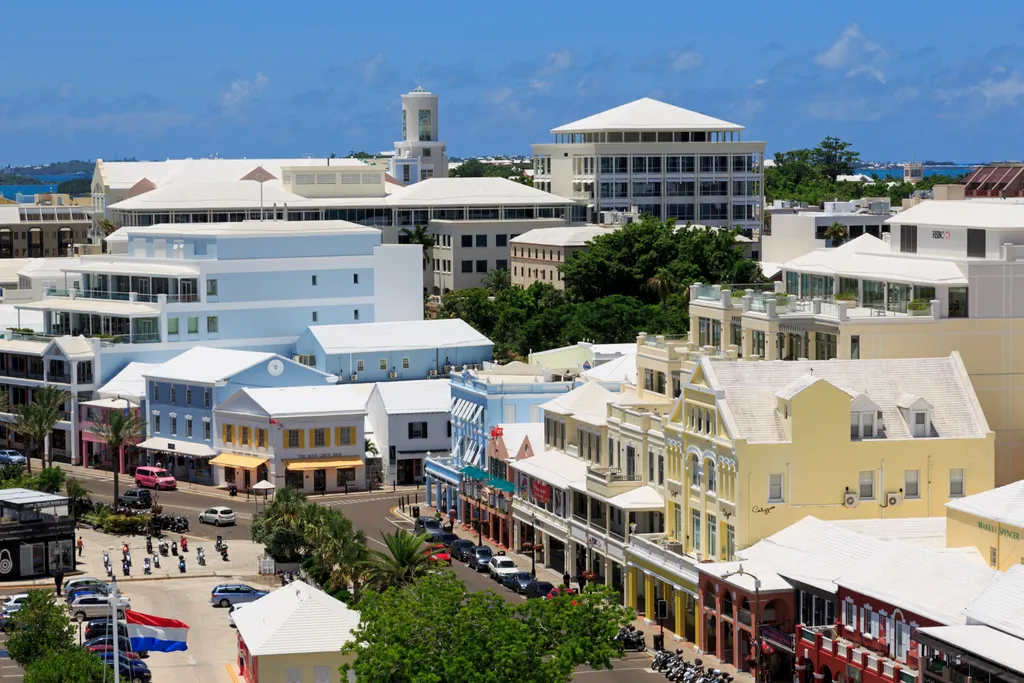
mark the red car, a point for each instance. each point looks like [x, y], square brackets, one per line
[110, 648]
[438, 554]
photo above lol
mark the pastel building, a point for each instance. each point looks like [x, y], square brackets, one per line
[383, 351]
[538, 254]
[182, 393]
[308, 438]
[125, 391]
[411, 421]
[39, 230]
[991, 521]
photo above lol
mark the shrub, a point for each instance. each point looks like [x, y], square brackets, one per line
[122, 525]
[919, 305]
[846, 296]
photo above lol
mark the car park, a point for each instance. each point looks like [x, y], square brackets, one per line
[438, 554]
[217, 516]
[14, 603]
[11, 457]
[85, 590]
[92, 606]
[227, 594]
[137, 498]
[517, 581]
[101, 649]
[107, 640]
[538, 589]
[134, 670]
[81, 582]
[460, 549]
[479, 557]
[501, 566]
[555, 592]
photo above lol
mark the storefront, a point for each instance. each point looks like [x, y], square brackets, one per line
[243, 471]
[443, 484]
[188, 461]
[323, 475]
[37, 535]
[93, 447]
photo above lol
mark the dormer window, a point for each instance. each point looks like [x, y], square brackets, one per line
[921, 423]
[864, 425]
[918, 414]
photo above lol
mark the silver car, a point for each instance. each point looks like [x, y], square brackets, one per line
[217, 516]
[93, 606]
[8, 457]
[14, 603]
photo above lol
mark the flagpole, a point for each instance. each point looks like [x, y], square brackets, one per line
[114, 594]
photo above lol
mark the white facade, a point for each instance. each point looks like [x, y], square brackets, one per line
[419, 155]
[791, 235]
[411, 421]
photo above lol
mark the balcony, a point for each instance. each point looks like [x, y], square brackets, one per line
[659, 551]
[611, 481]
[111, 295]
[845, 649]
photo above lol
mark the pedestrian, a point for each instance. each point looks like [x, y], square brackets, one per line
[565, 579]
[58, 580]
[81, 546]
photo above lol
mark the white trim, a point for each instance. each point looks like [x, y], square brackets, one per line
[279, 303]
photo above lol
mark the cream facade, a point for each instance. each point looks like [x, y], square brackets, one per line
[42, 230]
[992, 522]
[537, 255]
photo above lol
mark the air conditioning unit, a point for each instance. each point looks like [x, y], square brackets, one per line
[893, 499]
[851, 499]
[447, 369]
[353, 377]
[392, 375]
[431, 373]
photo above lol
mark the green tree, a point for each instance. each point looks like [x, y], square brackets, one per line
[40, 629]
[435, 630]
[39, 417]
[837, 233]
[119, 428]
[69, 666]
[419, 235]
[50, 480]
[75, 186]
[108, 227]
[280, 526]
[402, 564]
[497, 280]
[833, 158]
[79, 497]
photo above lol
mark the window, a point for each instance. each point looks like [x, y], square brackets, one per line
[245, 436]
[501, 240]
[293, 438]
[314, 280]
[229, 434]
[958, 302]
[188, 427]
[355, 278]
[975, 243]
[211, 287]
[319, 438]
[850, 614]
[417, 430]
[467, 240]
[360, 365]
[920, 423]
[867, 485]
[695, 530]
[695, 471]
[712, 536]
[174, 426]
[912, 484]
[346, 436]
[314, 316]
[956, 482]
[261, 438]
[188, 396]
[467, 266]
[993, 559]
[346, 476]
[172, 326]
[355, 314]
[908, 239]
[855, 347]
[174, 394]
[481, 266]
[712, 475]
[501, 264]
[405, 363]
[481, 240]
[775, 488]
[383, 364]
[156, 422]
[206, 430]
[211, 324]
[862, 425]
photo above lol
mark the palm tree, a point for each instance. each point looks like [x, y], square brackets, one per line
[336, 546]
[79, 497]
[118, 429]
[497, 280]
[30, 427]
[836, 233]
[48, 408]
[401, 565]
[662, 283]
[419, 235]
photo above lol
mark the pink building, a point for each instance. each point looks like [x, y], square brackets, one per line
[93, 447]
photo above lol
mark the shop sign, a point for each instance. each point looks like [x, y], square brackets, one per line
[10, 532]
[541, 492]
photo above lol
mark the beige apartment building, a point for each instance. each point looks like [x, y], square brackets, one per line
[41, 230]
[537, 254]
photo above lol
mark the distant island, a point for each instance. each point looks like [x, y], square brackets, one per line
[18, 179]
[73, 167]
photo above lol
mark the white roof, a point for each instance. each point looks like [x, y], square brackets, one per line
[924, 532]
[329, 399]
[108, 403]
[553, 467]
[513, 434]
[982, 641]
[1004, 504]
[207, 365]
[28, 346]
[751, 406]
[589, 398]
[125, 174]
[646, 114]
[1002, 604]
[459, 192]
[296, 619]
[640, 498]
[47, 267]
[562, 237]
[621, 369]
[211, 195]
[612, 350]
[95, 306]
[416, 396]
[770, 269]
[75, 347]
[148, 267]
[10, 267]
[198, 450]
[130, 382]
[413, 334]
[289, 229]
[770, 581]
[963, 213]
[870, 258]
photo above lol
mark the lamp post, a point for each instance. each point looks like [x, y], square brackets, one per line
[480, 513]
[533, 546]
[757, 621]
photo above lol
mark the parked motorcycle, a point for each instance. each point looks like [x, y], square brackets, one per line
[631, 638]
[201, 556]
[149, 545]
[164, 548]
[181, 564]
[156, 561]
[184, 544]
[146, 567]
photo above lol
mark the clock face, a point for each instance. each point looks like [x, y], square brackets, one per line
[275, 367]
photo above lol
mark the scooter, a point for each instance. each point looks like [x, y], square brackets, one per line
[184, 544]
[127, 558]
[201, 556]
[224, 553]
[146, 567]
[126, 568]
[163, 548]
[174, 548]
[106, 559]
[220, 544]
[181, 565]
[156, 561]
[110, 571]
[149, 545]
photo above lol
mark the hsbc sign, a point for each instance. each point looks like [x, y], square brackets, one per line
[940, 234]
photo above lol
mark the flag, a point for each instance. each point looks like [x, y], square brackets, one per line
[147, 633]
[274, 422]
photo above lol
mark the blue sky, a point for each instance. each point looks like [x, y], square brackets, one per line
[155, 80]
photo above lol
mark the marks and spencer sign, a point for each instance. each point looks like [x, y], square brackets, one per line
[991, 528]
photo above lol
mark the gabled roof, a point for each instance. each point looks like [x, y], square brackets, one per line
[1001, 605]
[789, 392]
[124, 174]
[646, 114]
[555, 468]
[320, 400]
[473, 192]
[208, 365]
[1004, 504]
[515, 433]
[621, 369]
[129, 383]
[910, 401]
[227, 194]
[589, 398]
[395, 336]
[415, 396]
[296, 619]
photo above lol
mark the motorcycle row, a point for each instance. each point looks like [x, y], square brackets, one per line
[676, 668]
[166, 550]
[177, 524]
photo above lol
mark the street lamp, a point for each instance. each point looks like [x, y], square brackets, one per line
[757, 620]
[533, 546]
[480, 513]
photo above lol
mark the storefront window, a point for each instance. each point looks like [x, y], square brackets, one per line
[926, 293]
[346, 474]
[958, 302]
[229, 475]
[899, 297]
[793, 283]
[847, 284]
[293, 479]
[874, 294]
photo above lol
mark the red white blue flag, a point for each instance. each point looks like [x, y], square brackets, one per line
[147, 633]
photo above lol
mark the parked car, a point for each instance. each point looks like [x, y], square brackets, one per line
[134, 670]
[107, 640]
[479, 557]
[460, 549]
[82, 581]
[231, 613]
[217, 516]
[11, 457]
[14, 603]
[227, 594]
[101, 649]
[429, 526]
[500, 566]
[538, 589]
[93, 606]
[517, 581]
[446, 539]
[438, 554]
[155, 478]
[137, 498]
[85, 590]
[102, 627]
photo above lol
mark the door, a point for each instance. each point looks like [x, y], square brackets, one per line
[319, 480]
[247, 476]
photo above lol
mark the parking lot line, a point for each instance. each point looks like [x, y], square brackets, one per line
[231, 672]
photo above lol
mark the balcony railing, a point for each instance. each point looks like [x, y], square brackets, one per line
[659, 550]
[709, 293]
[148, 338]
[612, 474]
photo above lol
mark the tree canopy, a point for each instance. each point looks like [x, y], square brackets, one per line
[39, 629]
[474, 168]
[435, 630]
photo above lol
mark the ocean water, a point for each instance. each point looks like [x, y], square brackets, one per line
[898, 172]
[11, 191]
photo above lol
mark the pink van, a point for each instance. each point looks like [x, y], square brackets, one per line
[154, 478]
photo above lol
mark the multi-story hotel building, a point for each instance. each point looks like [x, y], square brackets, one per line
[949, 276]
[659, 159]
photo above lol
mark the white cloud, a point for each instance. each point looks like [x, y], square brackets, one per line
[505, 103]
[371, 67]
[559, 60]
[241, 91]
[688, 59]
[539, 85]
[855, 52]
[759, 82]
[1002, 93]
[500, 96]
[869, 70]
[64, 91]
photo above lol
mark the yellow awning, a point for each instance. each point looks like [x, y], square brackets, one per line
[324, 463]
[249, 462]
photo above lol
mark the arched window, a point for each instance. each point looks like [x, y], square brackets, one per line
[694, 470]
[712, 476]
[700, 419]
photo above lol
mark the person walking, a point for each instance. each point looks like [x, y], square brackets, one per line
[58, 580]
[565, 579]
[81, 546]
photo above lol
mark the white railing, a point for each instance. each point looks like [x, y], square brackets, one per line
[653, 547]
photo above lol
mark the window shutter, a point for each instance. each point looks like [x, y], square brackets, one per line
[337, 435]
[302, 437]
[874, 624]
[327, 437]
[424, 430]
[410, 430]
[861, 625]
[312, 438]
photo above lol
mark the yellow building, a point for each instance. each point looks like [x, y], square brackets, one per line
[992, 522]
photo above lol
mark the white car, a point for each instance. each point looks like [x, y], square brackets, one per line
[217, 516]
[232, 610]
[499, 567]
[14, 603]
[94, 606]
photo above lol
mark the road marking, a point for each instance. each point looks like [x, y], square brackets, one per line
[231, 672]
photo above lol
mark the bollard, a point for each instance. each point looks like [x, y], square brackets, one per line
[417, 498]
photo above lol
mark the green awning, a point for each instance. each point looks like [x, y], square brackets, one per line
[502, 485]
[475, 473]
